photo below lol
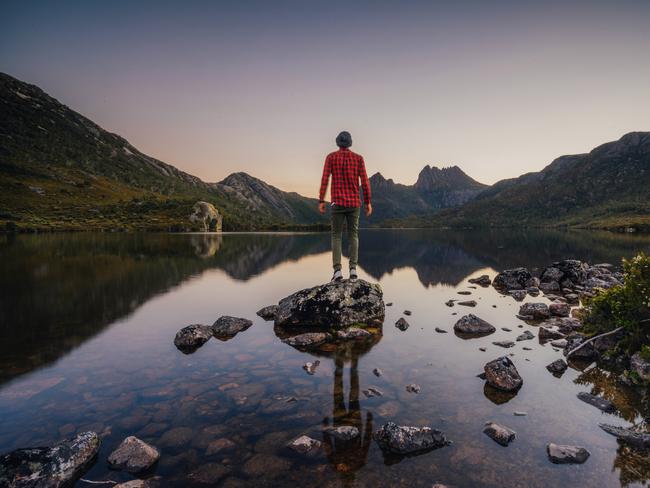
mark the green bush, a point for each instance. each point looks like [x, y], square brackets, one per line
[625, 306]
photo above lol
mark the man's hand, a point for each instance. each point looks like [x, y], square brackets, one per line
[321, 207]
[368, 210]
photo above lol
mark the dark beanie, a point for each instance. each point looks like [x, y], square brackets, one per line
[344, 139]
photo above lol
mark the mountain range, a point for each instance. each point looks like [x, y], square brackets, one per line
[61, 171]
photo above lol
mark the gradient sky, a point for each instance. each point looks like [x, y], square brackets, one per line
[498, 88]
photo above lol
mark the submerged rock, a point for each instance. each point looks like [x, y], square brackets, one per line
[499, 433]
[640, 440]
[308, 339]
[562, 454]
[598, 402]
[398, 439]
[311, 367]
[133, 455]
[336, 305]
[536, 311]
[343, 432]
[190, 338]
[512, 279]
[502, 374]
[268, 313]
[56, 466]
[377, 372]
[353, 333]
[372, 392]
[227, 327]
[402, 324]
[413, 388]
[305, 445]
[473, 325]
[557, 367]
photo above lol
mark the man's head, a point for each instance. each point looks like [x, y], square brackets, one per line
[344, 139]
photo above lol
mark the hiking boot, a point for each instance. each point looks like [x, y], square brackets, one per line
[338, 276]
[353, 273]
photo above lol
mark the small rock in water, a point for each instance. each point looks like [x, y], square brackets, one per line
[505, 344]
[133, 455]
[526, 336]
[520, 414]
[399, 439]
[506, 329]
[483, 349]
[450, 303]
[561, 454]
[464, 292]
[560, 343]
[372, 392]
[557, 367]
[304, 445]
[499, 433]
[527, 348]
[407, 312]
[343, 432]
[389, 304]
[311, 367]
[598, 402]
[518, 295]
[377, 372]
[502, 374]
[402, 324]
[190, 338]
[227, 327]
[473, 325]
[538, 311]
[546, 334]
[468, 303]
[483, 280]
[413, 388]
[268, 313]
[440, 331]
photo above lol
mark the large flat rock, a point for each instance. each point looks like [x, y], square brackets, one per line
[333, 305]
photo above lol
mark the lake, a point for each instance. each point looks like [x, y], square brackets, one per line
[87, 323]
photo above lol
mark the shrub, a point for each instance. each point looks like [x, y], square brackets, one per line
[625, 306]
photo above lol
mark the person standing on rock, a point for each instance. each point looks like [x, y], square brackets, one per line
[347, 170]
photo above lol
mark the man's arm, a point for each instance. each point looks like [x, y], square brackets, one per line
[365, 185]
[327, 170]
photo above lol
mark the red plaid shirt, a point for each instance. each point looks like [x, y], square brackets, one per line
[346, 168]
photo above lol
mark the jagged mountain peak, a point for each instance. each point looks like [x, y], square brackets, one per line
[432, 178]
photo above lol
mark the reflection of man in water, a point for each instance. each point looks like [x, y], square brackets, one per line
[347, 170]
[347, 456]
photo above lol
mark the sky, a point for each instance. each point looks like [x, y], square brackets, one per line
[498, 88]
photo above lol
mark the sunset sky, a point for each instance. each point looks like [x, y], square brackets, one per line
[498, 88]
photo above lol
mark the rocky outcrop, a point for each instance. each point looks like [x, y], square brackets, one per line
[227, 327]
[133, 455]
[403, 440]
[49, 467]
[472, 325]
[512, 279]
[190, 338]
[333, 305]
[562, 454]
[572, 275]
[640, 440]
[502, 374]
[499, 433]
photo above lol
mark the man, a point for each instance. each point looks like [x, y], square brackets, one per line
[347, 169]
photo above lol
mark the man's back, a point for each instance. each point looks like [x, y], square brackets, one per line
[347, 169]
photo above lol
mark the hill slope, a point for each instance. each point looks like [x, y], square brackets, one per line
[608, 187]
[60, 170]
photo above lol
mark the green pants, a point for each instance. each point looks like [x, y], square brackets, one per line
[350, 215]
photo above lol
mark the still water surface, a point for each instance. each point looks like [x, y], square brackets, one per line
[87, 323]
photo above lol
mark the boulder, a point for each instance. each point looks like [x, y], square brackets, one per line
[305, 445]
[268, 313]
[502, 374]
[557, 367]
[133, 455]
[499, 433]
[562, 454]
[190, 338]
[49, 467]
[599, 402]
[640, 440]
[403, 440]
[472, 325]
[308, 339]
[546, 334]
[483, 280]
[227, 327]
[512, 279]
[536, 311]
[559, 309]
[337, 305]
[640, 366]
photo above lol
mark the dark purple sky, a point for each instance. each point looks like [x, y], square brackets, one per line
[499, 88]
